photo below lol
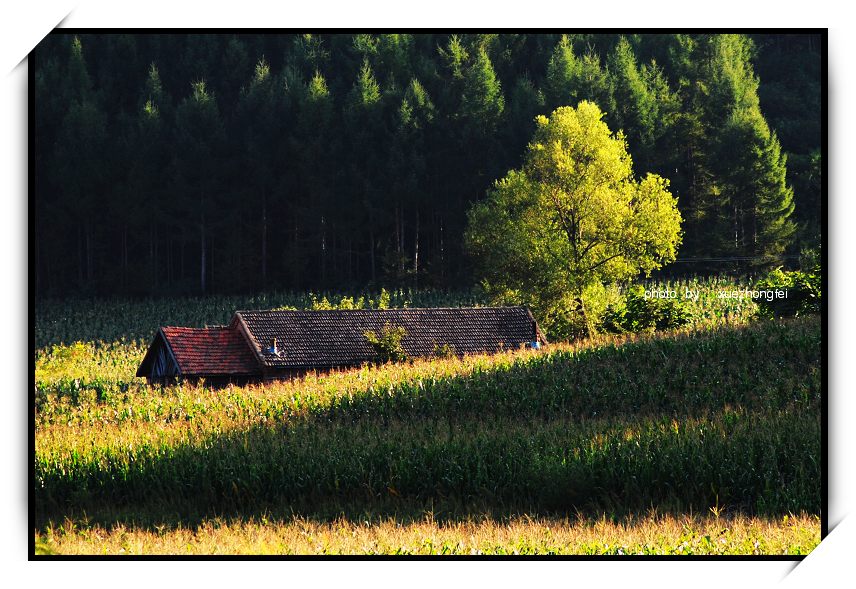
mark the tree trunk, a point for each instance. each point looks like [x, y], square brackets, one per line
[416, 254]
[152, 253]
[125, 256]
[156, 258]
[584, 320]
[169, 261]
[181, 255]
[323, 252]
[80, 255]
[350, 260]
[264, 240]
[372, 253]
[736, 231]
[90, 263]
[399, 241]
[334, 252]
[38, 273]
[401, 246]
[202, 253]
[49, 278]
[442, 255]
[755, 248]
[295, 259]
[397, 234]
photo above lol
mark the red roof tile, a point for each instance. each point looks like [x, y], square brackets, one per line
[210, 350]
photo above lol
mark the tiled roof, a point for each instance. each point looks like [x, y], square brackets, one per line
[336, 338]
[210, 350]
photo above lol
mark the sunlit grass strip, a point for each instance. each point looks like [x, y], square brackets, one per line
[650, 534]
[108, 364]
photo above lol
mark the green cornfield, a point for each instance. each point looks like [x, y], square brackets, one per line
[722, 416]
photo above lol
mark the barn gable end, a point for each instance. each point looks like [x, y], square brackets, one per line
[159, 363]
[214, 353]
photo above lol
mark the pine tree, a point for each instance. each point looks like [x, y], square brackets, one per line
[563, 73]
[481, 113]
[409, 180]
[571, 79]
[525, 103]
[367, 130]
[729, 81]
[309, 54]
[79, 154]
[455, 56]
[199, 142]
[593, 82]
[755, 203]
[316, 163]
[635, 106]
[149, 197]
[758, 200]
[259, 116]
[482, 102]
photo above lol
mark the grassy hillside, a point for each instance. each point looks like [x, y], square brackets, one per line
[724, 420]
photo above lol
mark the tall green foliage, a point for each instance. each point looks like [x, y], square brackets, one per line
[570, 78]
[364, 114]
[408, 170]
[200, 139]
[260, 114]
[572, 219]
[482, 101]
[635, 106]
[755, 201]
[150, 205]
[329, 168]
[78, 153]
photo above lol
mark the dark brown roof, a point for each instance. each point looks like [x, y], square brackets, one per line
[207, 351]
[336, 338]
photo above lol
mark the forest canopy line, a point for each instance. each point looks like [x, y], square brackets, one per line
[239, 163]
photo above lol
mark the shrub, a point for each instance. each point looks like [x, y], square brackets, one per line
[637, 313]
[350, 303]
[810, 258]
[570, 321]
[443, 351]
[803, 293]
[387, 345]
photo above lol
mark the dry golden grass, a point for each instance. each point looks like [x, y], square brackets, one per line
[650, 534]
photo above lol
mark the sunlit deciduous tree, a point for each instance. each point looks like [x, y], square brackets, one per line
[572, 219]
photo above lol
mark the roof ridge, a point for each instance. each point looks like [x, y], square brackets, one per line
[194, 328]
[390, 309]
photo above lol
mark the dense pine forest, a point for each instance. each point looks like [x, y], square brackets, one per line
[239, 163]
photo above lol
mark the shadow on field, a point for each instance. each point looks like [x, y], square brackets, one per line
[680, 425]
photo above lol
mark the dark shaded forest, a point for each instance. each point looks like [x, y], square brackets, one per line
[238, 163]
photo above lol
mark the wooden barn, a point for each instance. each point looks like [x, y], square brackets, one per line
[268, 345]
